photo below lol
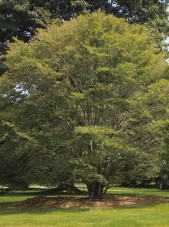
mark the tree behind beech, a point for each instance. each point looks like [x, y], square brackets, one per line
[79, 99]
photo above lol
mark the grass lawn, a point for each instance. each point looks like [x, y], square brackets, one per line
[154, 215]
[118, 191]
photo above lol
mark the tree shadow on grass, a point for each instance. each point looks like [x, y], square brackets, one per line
[139, 206]
[29, 192]
[125, 194]
[35, 211]
[40, 192]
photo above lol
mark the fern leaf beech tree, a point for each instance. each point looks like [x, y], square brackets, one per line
[79, 99]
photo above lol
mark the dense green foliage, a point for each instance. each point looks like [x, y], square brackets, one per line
[152, 12]
[21, 18]
[80, 96]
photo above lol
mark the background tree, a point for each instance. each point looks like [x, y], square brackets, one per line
[79, 99]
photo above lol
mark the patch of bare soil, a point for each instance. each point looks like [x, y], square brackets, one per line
[74, 202]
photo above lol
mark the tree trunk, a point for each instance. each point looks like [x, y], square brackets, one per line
[95, 190]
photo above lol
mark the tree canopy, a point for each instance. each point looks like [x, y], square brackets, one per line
[75, 94]
[21, 18]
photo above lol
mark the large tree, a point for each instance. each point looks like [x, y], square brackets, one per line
[76, 90]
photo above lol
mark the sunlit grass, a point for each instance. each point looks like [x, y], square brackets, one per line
[119, 191]
[146, 216]
[154, 215]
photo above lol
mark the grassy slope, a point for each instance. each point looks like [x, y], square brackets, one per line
[157, 215]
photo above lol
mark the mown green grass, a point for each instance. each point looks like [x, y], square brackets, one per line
[154, 215]
[146, 216]
[118, 191]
